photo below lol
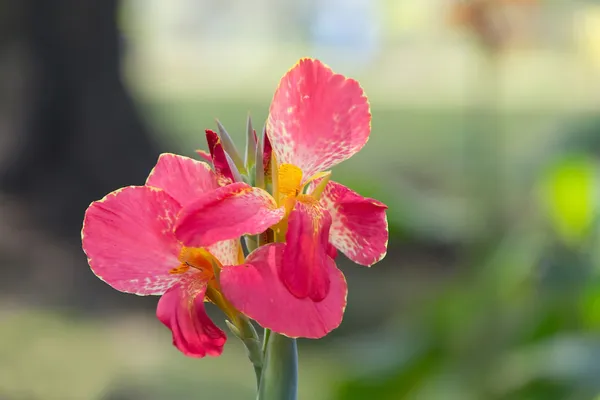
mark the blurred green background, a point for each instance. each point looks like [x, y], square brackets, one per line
[485, 145]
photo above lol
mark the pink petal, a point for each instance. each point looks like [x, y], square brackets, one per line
[267, 152]
[219, 158]
[305, 259]
[182, 178]
[359, 228]
[204, 155]
[227, 251]
[332, 251]
[181, 309]
[128, 238]
[227, 213]
[317, 119]
[255, 290]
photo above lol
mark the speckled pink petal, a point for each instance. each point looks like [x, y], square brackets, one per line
[129, 241]
[227, 213]
[304, 264]
[359, 228]
[267, 152]
[256, 290]
[181, 309]
[227, 251]
[181, 177]
[317, 118]
[205, 156]
[219, 159]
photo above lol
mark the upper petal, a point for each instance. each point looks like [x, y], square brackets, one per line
[181, 309]
[317, 118]
[359, 226]
[304, 264]
[182, 178]
[256, 290]
[129, 241]
[219, 158]
[227, 213]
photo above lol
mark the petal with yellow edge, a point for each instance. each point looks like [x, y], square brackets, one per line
[317, 118]
[182, 178]
[129, 241]
[304, 265]
[359, 227]
[227, 213]
[181, 309]
[256, 290]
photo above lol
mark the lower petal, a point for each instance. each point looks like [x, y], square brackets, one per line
[256, 290]
[181, 309]
[306, 256]
[359, 226]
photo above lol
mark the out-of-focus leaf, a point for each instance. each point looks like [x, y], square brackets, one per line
[569, 193]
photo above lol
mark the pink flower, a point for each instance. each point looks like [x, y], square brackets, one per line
[131, 243]
[317, 119]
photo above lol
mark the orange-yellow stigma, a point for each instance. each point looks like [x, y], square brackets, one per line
[198, 258]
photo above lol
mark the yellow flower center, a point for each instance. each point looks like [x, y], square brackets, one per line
[290, 178]
[208, 267]
[197, 258]
[289, 190]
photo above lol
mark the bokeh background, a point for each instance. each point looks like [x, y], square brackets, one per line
[485, 145]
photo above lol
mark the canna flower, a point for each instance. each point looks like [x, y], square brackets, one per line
[130, 240]
[317, 119]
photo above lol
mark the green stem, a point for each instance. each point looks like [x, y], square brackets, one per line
[266, 336]
[279, 379]
[247, 334]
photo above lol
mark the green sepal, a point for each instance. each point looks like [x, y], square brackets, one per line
[229, 146]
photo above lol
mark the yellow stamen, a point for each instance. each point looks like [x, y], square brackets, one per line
[290, 178]
[318, 191]
[274, 178]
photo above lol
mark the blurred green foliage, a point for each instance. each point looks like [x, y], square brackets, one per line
[521, 323]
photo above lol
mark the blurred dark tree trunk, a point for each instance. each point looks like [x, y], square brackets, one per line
[70, 132]
[82, 135]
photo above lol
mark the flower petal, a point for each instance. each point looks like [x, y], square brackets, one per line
[227, 251]
[182, 178]
[227, 213]
[256, 290]
[219, 158]
[359, 226]
[267, 152]
[181, 309]
[317, 119]
[129, 241]
[204, 155]
[304, 265]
